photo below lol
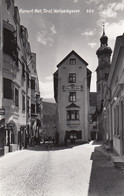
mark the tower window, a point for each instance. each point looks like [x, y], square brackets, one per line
[72, 61]
[72, 78]
[33, 84]
[72, 96]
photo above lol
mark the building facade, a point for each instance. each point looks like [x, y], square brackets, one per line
[104, 54]
[15, 77]
[114, 99]
[71, 92]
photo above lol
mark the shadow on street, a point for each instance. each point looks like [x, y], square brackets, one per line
[105, 179]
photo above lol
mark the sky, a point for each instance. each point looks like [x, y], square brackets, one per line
[53, 36]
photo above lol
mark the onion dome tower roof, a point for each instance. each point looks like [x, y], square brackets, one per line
[104, 49]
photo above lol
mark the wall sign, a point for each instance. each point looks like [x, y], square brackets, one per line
[72, 87]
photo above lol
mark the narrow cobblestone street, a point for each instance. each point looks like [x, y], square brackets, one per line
[83, 170]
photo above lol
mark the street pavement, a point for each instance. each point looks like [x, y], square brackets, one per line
[82, 170]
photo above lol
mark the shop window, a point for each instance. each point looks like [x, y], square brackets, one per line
[72, 96]
[73, 115]
[33, 84]
[23, 102]
[7, 88]
[72, 61]
[16, 97]
[79, 134]
[72, 78]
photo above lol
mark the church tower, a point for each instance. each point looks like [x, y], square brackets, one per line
[104, 54]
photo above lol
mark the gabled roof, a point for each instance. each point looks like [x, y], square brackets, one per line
[72, 52]
[73, 105]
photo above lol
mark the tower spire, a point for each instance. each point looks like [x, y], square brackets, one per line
[103, 28]
[104, 38]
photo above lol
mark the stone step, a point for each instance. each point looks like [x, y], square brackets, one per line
[118, 161]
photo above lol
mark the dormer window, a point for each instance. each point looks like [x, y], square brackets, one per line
[72, 61]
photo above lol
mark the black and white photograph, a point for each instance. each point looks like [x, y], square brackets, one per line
[61, 97]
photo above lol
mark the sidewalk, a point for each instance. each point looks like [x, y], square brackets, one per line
[105, 180]
[117, 160]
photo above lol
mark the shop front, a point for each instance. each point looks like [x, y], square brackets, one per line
[11, 141]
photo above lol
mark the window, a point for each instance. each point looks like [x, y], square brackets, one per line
[116, 120]
[8, 2]
[10, 44]
[16, 97]
[27, 105]
[72, 78]
[23, 70]
[72, 96]
[73, 115]
[7, 88]
[33, 108]
[33, 84]
[72, 61]
[23, 102]
[28, 80]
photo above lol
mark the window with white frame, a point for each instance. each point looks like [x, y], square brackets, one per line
[72, 96]
[72, 61]
[72, 78]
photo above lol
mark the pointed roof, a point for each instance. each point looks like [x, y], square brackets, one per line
[104, 38]
[72, 52]
[73, 105]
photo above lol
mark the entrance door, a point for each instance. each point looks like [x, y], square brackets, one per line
[73, 136]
